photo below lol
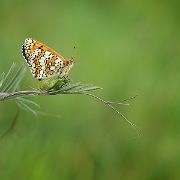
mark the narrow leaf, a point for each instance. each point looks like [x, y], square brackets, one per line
[7, 77]
[14, 83]
[2, 78]
[26, 107]
[26, 101]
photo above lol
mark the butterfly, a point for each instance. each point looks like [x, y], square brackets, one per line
[43, 61]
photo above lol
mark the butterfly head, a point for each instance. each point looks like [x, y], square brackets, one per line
[71, 63]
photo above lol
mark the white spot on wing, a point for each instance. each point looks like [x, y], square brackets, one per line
[52, 68]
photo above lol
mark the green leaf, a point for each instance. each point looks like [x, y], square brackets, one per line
[5, 81]
[77, 88]
[26, 107]
[26, 101]
[2, 78]
[14, 83]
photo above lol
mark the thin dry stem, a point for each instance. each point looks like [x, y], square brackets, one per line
[108, 103]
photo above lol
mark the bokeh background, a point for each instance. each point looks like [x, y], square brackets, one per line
[124, 46]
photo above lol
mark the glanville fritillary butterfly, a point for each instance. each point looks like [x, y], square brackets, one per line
[43, 61]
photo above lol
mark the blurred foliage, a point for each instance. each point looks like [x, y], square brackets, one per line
[9, 85]
[126, 47]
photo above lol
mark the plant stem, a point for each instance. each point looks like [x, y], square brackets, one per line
[17, 94]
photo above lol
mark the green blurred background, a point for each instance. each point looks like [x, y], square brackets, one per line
[124, 46]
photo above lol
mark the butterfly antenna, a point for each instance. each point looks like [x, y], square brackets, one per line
[72, 55]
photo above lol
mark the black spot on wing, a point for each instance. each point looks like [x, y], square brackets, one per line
[23, 53]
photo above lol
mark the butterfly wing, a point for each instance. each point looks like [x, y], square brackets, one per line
[43, 61]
